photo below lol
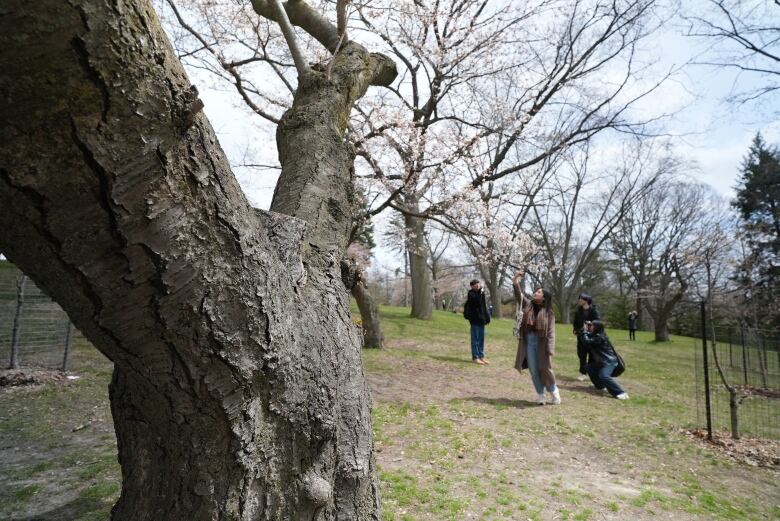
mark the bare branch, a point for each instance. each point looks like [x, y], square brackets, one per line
[300, 14]
[289, 36]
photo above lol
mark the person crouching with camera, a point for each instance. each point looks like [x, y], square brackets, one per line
[603, 359]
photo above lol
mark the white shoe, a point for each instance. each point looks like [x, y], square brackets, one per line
[556, 397]
[582, 377]
[540, 399]
[622, 396]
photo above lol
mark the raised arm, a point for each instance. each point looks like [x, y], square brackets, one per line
[517, 287]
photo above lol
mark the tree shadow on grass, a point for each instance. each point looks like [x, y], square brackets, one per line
[72, 510]
[455, 359]
[502, 402]
[589, 389]
[567, 379]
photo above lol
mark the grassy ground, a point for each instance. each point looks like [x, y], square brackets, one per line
[461, 441]
[454, 440]
[57, 446]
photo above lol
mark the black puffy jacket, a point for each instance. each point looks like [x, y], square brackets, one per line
[475, 310]
[601, 350]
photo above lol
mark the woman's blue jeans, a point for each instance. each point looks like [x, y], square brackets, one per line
[601, 376]
[532, 348]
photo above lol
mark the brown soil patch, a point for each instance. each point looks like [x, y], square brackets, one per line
[28, 377]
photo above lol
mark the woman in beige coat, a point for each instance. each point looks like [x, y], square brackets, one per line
[536, 342]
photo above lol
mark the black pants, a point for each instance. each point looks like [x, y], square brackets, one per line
[582, 354]
[632, 334]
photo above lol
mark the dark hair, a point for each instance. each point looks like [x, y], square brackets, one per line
[547, 298]
[475, 281]
[587, 298]
[598, 327]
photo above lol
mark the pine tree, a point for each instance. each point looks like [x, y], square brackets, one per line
[758, 204]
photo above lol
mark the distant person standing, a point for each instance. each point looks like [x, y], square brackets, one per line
[536, 344]
[632, 325]
[476, 312]
[586, 312]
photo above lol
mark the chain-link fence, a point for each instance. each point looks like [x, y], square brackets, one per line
[34, 331]
[740, 377]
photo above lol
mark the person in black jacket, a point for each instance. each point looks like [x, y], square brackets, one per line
[602, 359]
[632, 325]
[476, 312]
[586, 312]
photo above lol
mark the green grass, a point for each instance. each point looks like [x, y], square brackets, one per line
[453, 440]
[630, 435]
[70, 448]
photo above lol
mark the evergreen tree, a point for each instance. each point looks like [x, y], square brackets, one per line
[758, 204]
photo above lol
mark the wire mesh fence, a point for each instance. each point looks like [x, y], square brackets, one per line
[34, 331]
[742, 368]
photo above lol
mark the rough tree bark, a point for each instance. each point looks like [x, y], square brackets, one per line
[492, 278]
[369, 314]
[660, 311]
[238, 390]
[661, 331]
[420, 275]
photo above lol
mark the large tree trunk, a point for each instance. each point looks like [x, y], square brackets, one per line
[495, 290]
[641, 313]
[661, 331]
[561, 296]
[422, 297]
[238, 391]
[565, 313]
[435, 294]
[369, 314]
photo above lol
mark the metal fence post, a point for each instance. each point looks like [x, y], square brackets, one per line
[731, 357]
[707, 403]
[68, 337]
[17, 328]
[744, 353]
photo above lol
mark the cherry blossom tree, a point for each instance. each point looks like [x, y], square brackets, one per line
[544, 90]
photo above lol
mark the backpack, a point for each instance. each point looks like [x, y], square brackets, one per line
[466, 310]
[621, 367]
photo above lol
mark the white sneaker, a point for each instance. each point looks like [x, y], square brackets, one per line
[622, 396]
[540, 399]
[556, 397]
[582, 377]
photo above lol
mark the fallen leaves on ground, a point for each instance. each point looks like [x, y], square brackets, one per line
[756, 452]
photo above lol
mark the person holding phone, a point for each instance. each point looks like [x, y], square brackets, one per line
[536, 343]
